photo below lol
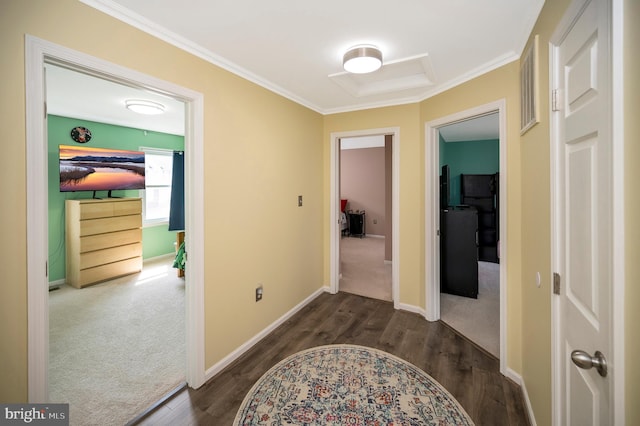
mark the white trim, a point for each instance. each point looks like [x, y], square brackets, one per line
[511, 374]
[56, 283]
[37, 226]
[619, 259]
[37, 51]
[334, 202]
[432, 218]
[224, 362]
[159, 257]
[410, 308]
[194, 239]
[556, 378]
[138, 21]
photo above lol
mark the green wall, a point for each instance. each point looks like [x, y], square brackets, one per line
[470, 157]
[156, 240]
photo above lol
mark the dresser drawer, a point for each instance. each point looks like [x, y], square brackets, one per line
[109, 255]
[109, 208]
[109, 224]
[114, 239]
[109, 271]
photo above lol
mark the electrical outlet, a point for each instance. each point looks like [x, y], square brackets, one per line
[259, 291]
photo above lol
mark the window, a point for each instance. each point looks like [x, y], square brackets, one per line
[157, 195]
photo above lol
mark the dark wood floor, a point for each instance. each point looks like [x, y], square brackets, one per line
[469, 373]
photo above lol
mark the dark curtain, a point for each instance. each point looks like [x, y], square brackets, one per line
[176, 213]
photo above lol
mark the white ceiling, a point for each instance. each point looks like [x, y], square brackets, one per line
[77, 95]
[295, 49]
[482, 128]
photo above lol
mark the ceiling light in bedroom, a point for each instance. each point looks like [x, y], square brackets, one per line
[144, 107]
[362, 59]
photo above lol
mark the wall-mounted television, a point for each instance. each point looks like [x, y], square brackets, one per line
[85, 168]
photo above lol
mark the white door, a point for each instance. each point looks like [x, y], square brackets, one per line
[583, 217]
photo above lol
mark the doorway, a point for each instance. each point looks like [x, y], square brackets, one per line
[432, 213]
[141, 313]
[38, 52]
[365, 208]
[469, 218]
[335, 204]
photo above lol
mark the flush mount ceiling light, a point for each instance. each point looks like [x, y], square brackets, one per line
[144, 107]
[362, 59]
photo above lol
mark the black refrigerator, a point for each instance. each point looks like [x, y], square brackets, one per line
[459, 251]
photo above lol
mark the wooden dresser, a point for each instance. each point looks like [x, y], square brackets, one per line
[103, 239]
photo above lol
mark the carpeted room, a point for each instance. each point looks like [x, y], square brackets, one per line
[116, 346]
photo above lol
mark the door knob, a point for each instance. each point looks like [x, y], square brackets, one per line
[586, 361]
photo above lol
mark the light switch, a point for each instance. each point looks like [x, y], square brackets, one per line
[299, 200]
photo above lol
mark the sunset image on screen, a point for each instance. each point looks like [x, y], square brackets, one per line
[95, 169]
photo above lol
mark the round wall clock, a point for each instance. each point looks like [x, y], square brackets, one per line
[81, 134]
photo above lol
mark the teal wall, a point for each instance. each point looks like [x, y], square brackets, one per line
[156, 240]
[471, 157]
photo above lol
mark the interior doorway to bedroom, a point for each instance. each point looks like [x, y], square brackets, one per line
[434, 220]
[346, 227]
[469, 229]
[39, 53]
[132, 317]
[365, 222]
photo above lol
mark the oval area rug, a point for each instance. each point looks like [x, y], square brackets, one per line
[348, 385]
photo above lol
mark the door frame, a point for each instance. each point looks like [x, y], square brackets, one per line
[37, 52]
[616, 359]
[334, 215]
[432, 216]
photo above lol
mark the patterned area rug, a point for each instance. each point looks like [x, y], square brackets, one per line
[348, 385]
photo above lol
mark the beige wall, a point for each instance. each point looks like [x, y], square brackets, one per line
[536, 232]
[632, 208]
[260, 152]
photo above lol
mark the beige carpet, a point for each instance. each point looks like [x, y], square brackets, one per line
[477, 319]
[117, 347]
[362, 267]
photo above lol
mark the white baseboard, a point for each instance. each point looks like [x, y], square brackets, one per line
[519, 381]
[409, 308]
[161, 257]
[57, 283]
[219, 366]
